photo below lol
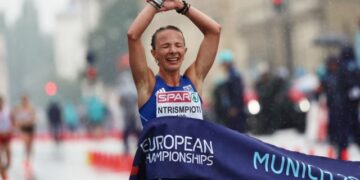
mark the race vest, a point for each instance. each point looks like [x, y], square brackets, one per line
[23, 115]
[5, 122]
[180, 101]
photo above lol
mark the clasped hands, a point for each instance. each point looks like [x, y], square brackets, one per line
[168, 5]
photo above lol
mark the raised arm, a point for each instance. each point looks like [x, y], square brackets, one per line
[208, 48]
[142, 75]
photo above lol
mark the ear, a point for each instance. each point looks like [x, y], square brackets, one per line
[153, 53]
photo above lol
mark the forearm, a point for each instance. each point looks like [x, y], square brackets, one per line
[203, 22]
[141, 22]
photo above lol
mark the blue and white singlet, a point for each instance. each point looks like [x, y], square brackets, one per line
[166, 100]
[5, 121]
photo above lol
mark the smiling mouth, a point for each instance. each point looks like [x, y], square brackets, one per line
[173, 59]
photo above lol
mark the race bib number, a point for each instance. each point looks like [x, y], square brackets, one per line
[179, 103]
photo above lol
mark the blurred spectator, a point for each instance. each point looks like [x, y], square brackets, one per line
[281, 109]
[6, 128]
[54, 116]
[96, 114]
[71, 117]
[330, 86]
[266, 91]
[349, 83]
[128, 103]
[341, 84]
[229, 96]
[24, 117]
[221, 101]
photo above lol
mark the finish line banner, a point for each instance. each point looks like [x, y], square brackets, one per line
[185, 148]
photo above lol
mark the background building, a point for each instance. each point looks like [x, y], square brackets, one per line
[29, 56]
[70, 37]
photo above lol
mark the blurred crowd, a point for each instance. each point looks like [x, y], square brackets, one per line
[279, 100]
[273, 101]
[91, 117]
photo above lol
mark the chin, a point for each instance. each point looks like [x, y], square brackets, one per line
[172, 68]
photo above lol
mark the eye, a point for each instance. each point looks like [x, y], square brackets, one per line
[179, 45]
[164, 46]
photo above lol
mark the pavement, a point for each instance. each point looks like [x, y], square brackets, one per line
[69, 160]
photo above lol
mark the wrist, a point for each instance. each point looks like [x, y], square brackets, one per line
[184, 8]
[180, 5]
[157, 4]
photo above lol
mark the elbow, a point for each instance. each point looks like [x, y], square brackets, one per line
[132, 35]
[217, 29]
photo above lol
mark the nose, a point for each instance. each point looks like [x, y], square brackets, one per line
[172, 49]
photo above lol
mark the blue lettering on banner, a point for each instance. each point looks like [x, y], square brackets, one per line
[291, 167]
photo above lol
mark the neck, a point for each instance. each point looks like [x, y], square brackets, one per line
[171, 79]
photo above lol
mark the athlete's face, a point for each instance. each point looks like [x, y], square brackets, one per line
[169, 50]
